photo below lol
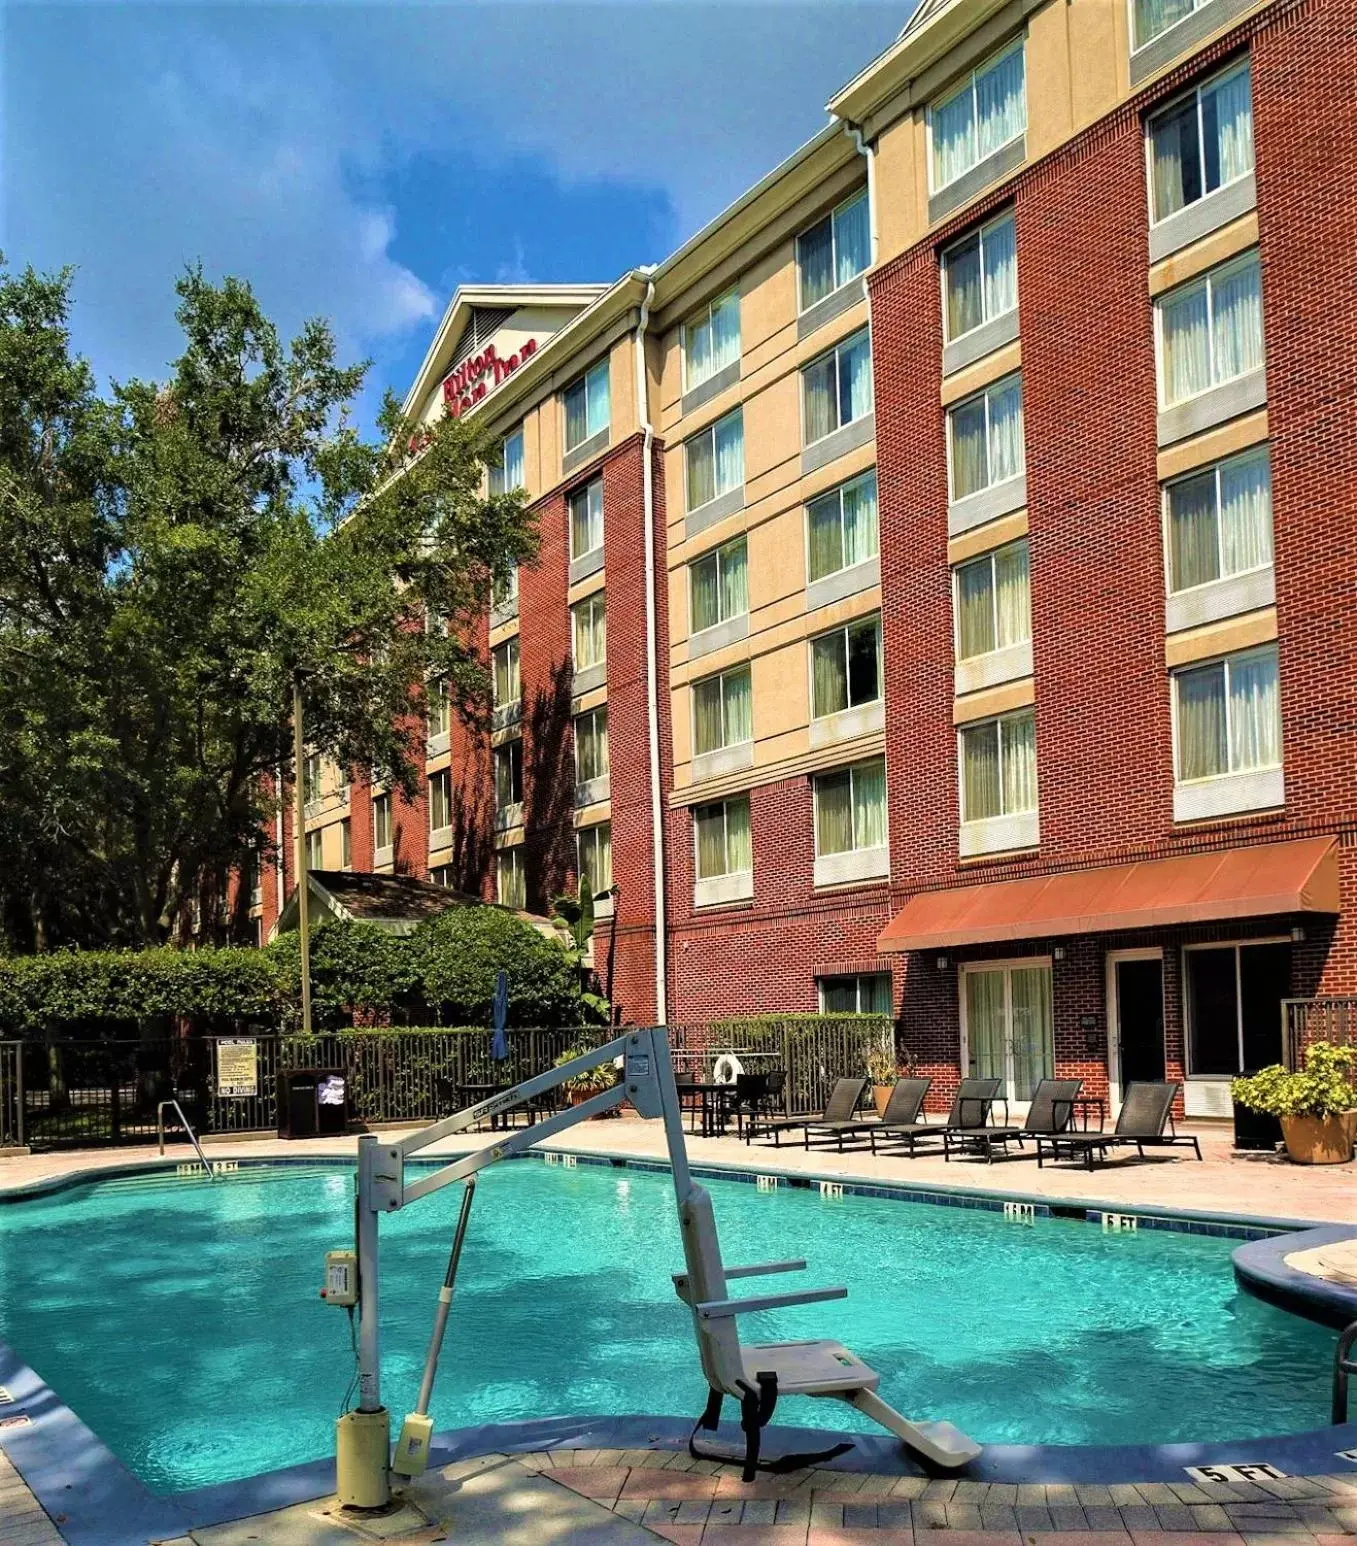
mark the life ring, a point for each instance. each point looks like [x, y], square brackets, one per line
[726, 1069]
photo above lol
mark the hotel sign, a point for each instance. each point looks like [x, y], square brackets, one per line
[473, 378]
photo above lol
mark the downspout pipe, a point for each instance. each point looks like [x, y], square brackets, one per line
[652, 669]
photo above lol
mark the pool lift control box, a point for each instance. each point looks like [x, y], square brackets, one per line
[341, 1279]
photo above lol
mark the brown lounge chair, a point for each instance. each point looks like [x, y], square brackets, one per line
[1050, 1113]
[969, 1114]
[839, 1108]
[902, 1110]
[1145, 1112]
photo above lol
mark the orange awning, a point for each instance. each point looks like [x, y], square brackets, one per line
[1267, 879]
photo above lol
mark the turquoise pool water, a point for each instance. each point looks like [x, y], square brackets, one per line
[181, 1320]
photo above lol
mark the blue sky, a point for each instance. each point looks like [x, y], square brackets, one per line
[359, 161]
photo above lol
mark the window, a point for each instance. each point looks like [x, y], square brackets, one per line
[511, 887]
[722, 711]
[866, 995]
[850, 809]
[1234, 999]
[999, 767]
[722, 841]
[842, 528]
[720, 588]
[587, 409]
[508, 774]
[834, 250]
[1151, 17]
[980, 116]
[715, 460]
[845, 668]
[711, 341]
[313, 850]
[508, 475]
[254, 877]
[992, 601]
[586, 519]
[439, 708]
[444, 875]
[1219, 521]
[980, 277]
[345, 844]
[504, 593]
[381, 822]
[1228, 716]
[1009, 1031]
[440, 801]
[591, 745]
[311, 778]
[595, 847]
[837, 388]
[985, 438]
[589, 632]
[1210, 330]
[1201, 143]
[508, 688]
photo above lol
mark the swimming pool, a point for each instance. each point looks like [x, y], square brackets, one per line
[181, 1320]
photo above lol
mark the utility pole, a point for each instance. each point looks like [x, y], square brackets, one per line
[299, 822]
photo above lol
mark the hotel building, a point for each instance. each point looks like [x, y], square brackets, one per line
[948, 572]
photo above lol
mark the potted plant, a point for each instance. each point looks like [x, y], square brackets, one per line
[1317, 1105]
[881, 1070]
[579, 1087]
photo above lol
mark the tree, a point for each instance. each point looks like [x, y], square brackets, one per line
[173, 557]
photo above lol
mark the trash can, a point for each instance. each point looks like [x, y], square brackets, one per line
[1255, 1130]
[314, 1103]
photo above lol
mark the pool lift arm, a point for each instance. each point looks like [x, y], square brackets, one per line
[754, 1375]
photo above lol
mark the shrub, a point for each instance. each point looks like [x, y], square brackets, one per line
[462, 953]
[355, 967]
[1326, 1086]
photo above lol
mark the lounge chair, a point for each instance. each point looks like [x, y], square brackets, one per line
[902, 1110]
[839, 1108]
[969, 1113]
[758, 1376]
[1050, 1113]
[1145, 1112]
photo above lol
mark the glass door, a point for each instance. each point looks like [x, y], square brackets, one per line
[1009, 1033]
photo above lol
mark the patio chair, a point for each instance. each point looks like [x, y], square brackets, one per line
[758, 1376]
[969, 1113]
[902, 1110]
[839, 1108]
[1051, 1112]
[1145, 1112]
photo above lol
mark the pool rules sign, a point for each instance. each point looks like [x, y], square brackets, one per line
[237, 1066]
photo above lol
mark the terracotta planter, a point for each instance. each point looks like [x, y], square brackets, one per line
[881, 1093]
[1319, 1140]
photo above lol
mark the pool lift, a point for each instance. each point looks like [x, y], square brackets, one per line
[756, 1376]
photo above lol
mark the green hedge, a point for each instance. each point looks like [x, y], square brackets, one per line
[444, 972]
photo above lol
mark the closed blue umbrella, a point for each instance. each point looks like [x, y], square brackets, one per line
[499, 1044]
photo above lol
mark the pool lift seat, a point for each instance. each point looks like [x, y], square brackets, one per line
[758, 1374]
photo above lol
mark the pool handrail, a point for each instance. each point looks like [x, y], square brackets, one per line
[188, 1128]
[1344, 1364]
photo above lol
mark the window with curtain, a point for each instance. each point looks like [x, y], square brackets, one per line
[869, 994]
[992, 599]
[1228, 716]
[985, 436]
[313, 850]
[999, 767]
[978, 117]
[723, 843]
[1210, 330]
[586, 519]
[508, 774]
[508, 475]
[980, 277]
[511, 888]
[715, 459]
[1201, 142]
[345, 844]
[440, 801]
[837, 388]
[1219, 521]
[850, 809]
[720, 585]
[723, 712]
[834, 250]
[587, 407]
[589, 632]
[381, 821]
[845, 668]
[504, 591]
[439, 707]
[595, 851]
[1151, 17]
[1010, 1026]
[506, 683]
[311, 777]
[591, 745]
[711, 341]
[842, 528]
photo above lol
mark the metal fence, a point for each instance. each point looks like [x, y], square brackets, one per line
[811, 1050]
[1307, 1020]
[11, 1096]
